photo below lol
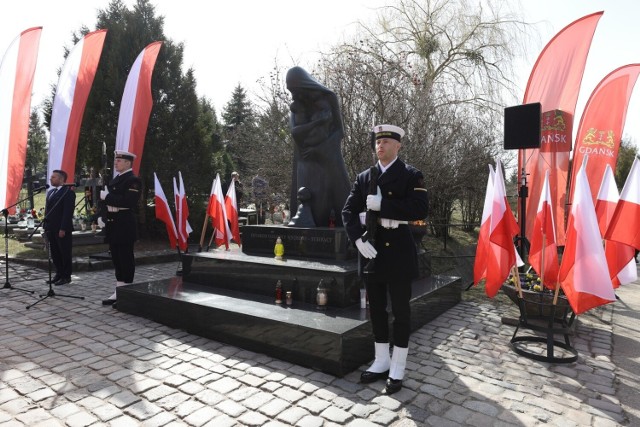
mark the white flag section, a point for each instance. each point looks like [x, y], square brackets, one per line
[16, 80]
[72, 92]
[135, 108]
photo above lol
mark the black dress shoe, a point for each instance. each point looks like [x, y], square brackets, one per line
[63, 281]
[393, 386]
[52, 281]
[368, 377]
[108, 301]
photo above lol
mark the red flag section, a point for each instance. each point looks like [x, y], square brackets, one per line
[503, 229]
[74, 85]
[483, 247]
[17, 68]
[231, 209]
[602, 122]
[184, 228]
[620, 257]
[135, 108]
[555, 83]
[625, 222]
[163, 212]
[584, 275]
[544, 251]
[217, 213]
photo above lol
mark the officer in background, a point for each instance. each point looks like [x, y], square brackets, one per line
[401, 197]
[58, 225]
[121, 198]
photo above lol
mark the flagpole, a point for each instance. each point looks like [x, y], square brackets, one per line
[204, 231]
[542, 251]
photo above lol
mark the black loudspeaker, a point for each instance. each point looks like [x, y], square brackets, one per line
[522, 126]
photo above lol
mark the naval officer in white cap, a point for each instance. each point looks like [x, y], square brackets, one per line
[121, 199]
[401, 197]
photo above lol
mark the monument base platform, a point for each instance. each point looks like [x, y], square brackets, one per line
[335, 340]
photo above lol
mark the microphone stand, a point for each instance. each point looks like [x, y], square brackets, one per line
[51, 292]
[5, 213]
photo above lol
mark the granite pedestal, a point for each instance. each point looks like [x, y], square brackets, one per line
[335, 340]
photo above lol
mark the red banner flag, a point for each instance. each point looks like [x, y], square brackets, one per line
[544, 251]
[555, 83]
[625, 222]
[163, 212]
[231, 209]
[501, 233]
[584, 275]
[17, 69]
[72, 92]
[483, 247]
[620, 257]
[135, 108]
[602, 122]
[218, 215]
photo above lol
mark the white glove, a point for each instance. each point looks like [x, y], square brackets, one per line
[103, 193]
[101, 222]
[366, 249]
[374, 202]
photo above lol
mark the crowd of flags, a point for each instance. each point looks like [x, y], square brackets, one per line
[601, 239]
[222, 210]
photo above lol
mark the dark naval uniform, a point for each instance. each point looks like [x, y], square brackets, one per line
[404, 199]
[59, 208]
[121, 232]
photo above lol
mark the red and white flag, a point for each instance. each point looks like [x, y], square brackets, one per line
[503, 229]
[218, 215]
[231, 209]
[182, 213]
[625, 223]
[483, 247]
[16, 80]
[584, 275]
[74, 85]
[620, 257]
[163, 212]
[135, 108]
[543, 255]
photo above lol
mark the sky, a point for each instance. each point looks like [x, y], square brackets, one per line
[238, 42]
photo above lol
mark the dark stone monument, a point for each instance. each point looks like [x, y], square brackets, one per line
[318, 165]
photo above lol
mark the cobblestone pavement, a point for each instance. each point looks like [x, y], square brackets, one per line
[74, 362]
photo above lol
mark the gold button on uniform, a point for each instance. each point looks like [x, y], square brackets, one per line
[386, 243]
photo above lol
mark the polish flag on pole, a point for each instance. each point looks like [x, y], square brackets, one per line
[16, 80]
[218, 215]
[584, 275]
[231, 209]
[625, 223]
[185, 227]
[74, 85]
[543, 256]
[502, 256]
[135, 108]
[620, 257]
[163, 212]
[483, 246]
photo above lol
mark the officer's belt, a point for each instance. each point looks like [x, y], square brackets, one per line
[391, 223]
[115, 209]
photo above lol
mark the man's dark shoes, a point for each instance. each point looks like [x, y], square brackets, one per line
[393, 386]
[368, 377]
[63, 281]
[108, 301]
[52, 281]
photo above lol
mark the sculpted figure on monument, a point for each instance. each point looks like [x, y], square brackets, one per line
[318, 165]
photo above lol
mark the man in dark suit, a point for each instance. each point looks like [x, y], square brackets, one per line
[121, 198]
[58, 225]
[400, 198]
